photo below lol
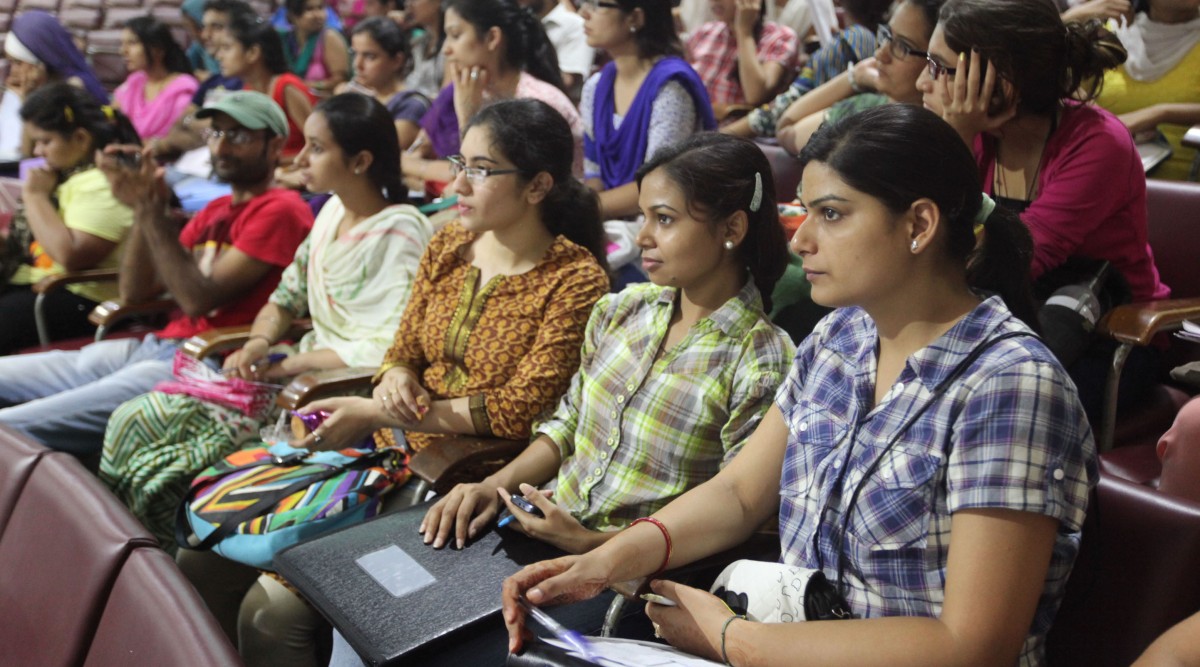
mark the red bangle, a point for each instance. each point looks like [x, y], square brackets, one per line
[666, 536]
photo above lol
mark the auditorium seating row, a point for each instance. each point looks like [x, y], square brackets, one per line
[81, 582]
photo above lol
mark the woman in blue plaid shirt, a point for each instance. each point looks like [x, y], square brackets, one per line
[942, 495]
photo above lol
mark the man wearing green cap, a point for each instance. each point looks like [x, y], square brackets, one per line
[220, 269]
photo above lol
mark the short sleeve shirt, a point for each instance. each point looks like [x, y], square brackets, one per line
[1008, 433]
[268, 228]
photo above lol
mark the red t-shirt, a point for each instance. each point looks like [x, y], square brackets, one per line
[268, 228]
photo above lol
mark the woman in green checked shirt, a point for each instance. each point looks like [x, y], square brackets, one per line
[675, 374]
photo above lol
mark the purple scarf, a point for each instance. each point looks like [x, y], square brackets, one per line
[441, 124]
[42, 34]
[620, 151]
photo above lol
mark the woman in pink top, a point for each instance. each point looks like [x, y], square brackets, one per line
[160, 85]
[1015, 82]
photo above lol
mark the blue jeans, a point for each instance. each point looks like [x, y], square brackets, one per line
[64, 399]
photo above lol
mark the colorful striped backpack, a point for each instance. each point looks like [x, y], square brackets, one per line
[257, 501]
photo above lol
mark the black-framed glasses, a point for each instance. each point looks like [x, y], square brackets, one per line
[593, 5]
[937, 69]
[475, 175]
[238, 136]
[899, 50]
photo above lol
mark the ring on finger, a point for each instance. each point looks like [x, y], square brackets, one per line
[474, 74]
[316, 438]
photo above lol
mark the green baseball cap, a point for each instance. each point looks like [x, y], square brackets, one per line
[251, 110]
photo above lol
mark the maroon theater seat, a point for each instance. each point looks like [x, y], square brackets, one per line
[18, 455]
[155, 617]
[65, 542]
[1134, 579]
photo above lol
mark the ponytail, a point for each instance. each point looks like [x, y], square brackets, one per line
[62, 108]
[527, 47]
[1000, 261]
[536, 138]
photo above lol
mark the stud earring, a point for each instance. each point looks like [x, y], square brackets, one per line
[632, 29]
[358, 172]
[913, 247]
[729, 245]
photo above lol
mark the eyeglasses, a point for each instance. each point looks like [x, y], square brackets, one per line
[475, 175]
[898, 49]
[238, 136]
[593, 5]
[937, 69]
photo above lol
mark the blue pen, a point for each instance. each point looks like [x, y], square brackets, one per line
[561, 632]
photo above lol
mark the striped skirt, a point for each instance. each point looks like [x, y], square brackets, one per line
[155, 445]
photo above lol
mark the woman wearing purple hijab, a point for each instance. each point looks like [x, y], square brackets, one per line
[41, 51]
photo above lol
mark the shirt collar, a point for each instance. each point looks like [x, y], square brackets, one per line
[733, 317]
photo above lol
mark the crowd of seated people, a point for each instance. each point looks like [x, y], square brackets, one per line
[600, 288]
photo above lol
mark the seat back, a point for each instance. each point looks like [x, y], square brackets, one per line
[155, 617]
[786, 169]
[66, 539]
[18, 455]
[1135, 576]
[1173, 212]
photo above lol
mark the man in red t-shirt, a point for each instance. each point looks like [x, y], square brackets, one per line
[220, 269]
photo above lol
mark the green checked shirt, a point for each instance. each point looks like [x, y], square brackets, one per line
[636, 428]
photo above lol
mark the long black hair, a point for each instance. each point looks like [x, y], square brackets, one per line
[62, 108]
[718, 175]
[384, 32]
[1045, 60]
[360, 123]
[865, 149]
[536, 138]
[526, 45]
[156, 36]
[251, 31]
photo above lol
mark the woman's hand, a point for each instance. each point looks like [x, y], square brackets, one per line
[469, 84]
[558, 581]
[967, 100]
[289, 177]
[465, 510]
[1101, 9]
[695, 624]
[745, 16]
[40, 182]
[244, 364]
[401, 396]
[350, 421]
[558, 527]
[865, 74]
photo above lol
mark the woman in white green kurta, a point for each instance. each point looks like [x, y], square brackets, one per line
[352, 276]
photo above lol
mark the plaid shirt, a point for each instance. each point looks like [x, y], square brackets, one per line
[1011, 427]
[636, 429]
[713, 50]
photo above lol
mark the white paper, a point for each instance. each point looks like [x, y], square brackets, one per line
[395, 570]
[613, 652]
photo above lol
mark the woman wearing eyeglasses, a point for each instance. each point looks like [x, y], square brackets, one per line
[899, 60]
[647, 98]
[1014, 81]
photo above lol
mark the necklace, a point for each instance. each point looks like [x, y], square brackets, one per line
[999, 184]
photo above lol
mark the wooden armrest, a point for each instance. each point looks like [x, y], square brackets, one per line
[449, 461]
[224, 339]
[308, 387]
[52, 283]
[111, 312]
[1191, 138]
[1138, 323]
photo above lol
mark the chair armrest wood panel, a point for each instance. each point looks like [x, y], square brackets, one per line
[55, 282]
[449, 461]
[225, 339]
[1137, 323]
[308, 387]
[112, 312]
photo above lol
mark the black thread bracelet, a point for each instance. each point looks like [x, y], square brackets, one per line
[731, 619]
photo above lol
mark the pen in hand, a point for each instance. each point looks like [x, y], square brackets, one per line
[560, 631]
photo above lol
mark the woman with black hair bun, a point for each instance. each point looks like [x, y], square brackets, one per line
[1016, 83]
[495, 49]
[924, 453]
[73, 222]
[160, 84]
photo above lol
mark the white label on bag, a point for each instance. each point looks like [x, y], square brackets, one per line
[395, 570]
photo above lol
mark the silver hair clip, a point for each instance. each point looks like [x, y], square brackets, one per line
[756, 200]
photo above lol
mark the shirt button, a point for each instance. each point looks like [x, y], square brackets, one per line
[603, 455]
[803, 426]
[587, 480]
[837, 463]
[1059, 474]
[596, 472]
[612, 441]
[899, 387]
[629, 387]
[621, 398]
[613, 414]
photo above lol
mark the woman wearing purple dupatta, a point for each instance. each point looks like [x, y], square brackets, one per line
[647, 98]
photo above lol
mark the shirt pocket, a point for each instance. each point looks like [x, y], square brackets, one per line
[892, 514]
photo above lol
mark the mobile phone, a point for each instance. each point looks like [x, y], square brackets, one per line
[525, 506]
[130, 160]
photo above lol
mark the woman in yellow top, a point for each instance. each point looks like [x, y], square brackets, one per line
[1159, 84]
[73, 219]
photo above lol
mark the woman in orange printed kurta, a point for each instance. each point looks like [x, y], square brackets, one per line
[492, 333]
